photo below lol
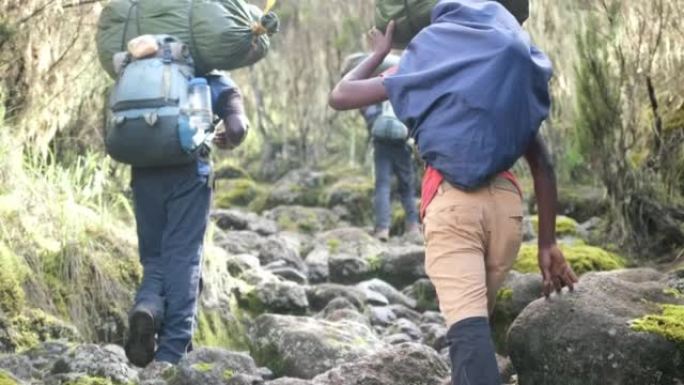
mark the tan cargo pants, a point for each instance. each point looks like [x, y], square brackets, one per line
[472, 240]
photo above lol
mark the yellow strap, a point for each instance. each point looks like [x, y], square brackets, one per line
[269, 5]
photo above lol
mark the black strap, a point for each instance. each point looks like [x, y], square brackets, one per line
[409, 17]
[134, 4]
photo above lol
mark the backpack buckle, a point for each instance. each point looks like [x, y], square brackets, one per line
[167, 55]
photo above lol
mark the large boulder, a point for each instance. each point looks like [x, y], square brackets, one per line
[299, 187]
[405, 364]
[107, 362]
[598, 335]
[274, 296]
[308, 220]
[242, 220]
[212, 366]
[353, 197]
[304, 347]
[401, 265]
[321, 295]
[517, 291]
[352, 254]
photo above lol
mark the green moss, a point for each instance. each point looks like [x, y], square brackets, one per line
[673, 292]
[213, 331]
[88, 380]
[581, 257]
[356, 195]
[12, 273]
[203, 367]
[333, 245]
[398, 219]
[228, 374]
[238, 192]
[675, 120]
[374, 262]
[6, 379]
[504, 294]
[669, 324]
[35, 326]
[564, 226]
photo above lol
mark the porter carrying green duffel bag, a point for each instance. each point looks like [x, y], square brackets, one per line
[221, 34]
[411, 16]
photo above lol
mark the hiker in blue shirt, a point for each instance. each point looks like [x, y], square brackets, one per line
[171, 209]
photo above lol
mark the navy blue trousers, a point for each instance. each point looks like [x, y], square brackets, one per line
[171, 210]
[473, 359]
[394, 158]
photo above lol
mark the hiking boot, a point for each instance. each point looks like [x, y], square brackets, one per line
[382, 234]
[140, 345]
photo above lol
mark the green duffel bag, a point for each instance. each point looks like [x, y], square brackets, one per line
[221, 34]
[411, 16]
[351, 61]
[387, 127]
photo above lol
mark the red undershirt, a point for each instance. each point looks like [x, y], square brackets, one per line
[433, 179]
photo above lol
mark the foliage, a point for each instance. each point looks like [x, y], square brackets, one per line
[669, 324]
[581, 257]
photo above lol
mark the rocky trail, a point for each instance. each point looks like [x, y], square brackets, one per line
[302, 295]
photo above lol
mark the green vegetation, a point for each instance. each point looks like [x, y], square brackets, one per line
[88, 380]
[669, 324]
[504, 294]
[203, 367]
[581, 257]
[228, 374]
[237, 192]
[564, 226]
[6, 379]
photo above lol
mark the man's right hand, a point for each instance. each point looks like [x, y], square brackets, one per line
[382, 43]
[556, 271]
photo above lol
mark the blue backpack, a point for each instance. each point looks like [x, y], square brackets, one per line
[147, 125]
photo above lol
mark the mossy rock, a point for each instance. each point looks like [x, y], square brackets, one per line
[237, 193]
[669, 324]
[229, 169]
[88, 380]
[7, 379]
[398, 219]
[565, 226]
[35, 326]
[355, 195]
[221, 328]
[12, 276]
[582, 258]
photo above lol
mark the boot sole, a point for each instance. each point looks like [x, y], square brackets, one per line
[141, 344]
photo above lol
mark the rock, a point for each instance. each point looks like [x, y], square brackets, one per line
[388, 291]
[403, 312]
[355, 196]
[381, 316]
[347, 242]
[373, 298]
[278, 249]
[338, 304]
[33, 363]
[320, 295]
[582, 202]
[432, 317]
[402, 266]
[266, 373]
[348, 269]
[98, 361]
[308, 220]
[7, 378]
[397, 339]
[434, 335]
[213, 366]
[304, 347]
[298, 187]
[404, 326]
[517, 291]
[239, 242]
[586, 338]
[156, 372]
[289, 381]
[240, 220]
[405, 364]
[506, 369]
[351, 315]
[287, 273]
[423, 293]
[275, 296]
